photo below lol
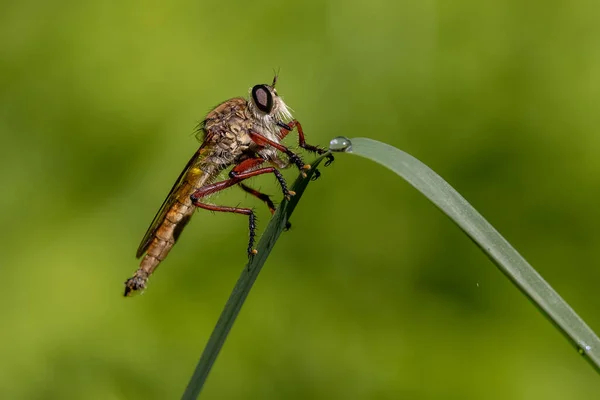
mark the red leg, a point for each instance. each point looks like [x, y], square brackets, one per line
[304, 145]
[287, 128]
[301, 141]
[239, 173]
[263, 141]
[263, 197]
[260, 196]
[236, 210]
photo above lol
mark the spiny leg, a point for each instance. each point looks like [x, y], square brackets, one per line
[239, 173]
[261, 196]
[265, 198]
[294, 158]
[287, 128]
[235, 210]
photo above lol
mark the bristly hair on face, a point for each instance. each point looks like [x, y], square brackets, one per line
[284, 114]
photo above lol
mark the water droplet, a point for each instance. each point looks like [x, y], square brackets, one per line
[584, 348]
[340, 144]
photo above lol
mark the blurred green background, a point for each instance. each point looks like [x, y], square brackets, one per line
[373, 294]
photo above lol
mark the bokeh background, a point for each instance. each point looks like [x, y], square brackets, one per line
[373, 294]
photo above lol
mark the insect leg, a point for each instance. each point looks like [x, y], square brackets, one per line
[295, 158]
[235, 210]
[287, 128]
[263, 197]
[240, 172]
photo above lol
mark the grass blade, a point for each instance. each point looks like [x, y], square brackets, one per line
[506, 258]
[244, 284]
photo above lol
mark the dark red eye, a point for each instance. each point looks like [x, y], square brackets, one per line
[262, 98]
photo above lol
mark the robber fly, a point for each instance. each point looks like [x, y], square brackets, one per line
[239, 133]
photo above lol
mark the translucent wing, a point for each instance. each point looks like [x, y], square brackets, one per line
[174, 195]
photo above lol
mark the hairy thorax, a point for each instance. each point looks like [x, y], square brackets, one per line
[226, 135]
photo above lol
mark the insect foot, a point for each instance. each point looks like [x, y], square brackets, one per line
[289, 195]
[316, 175]
[330, 159]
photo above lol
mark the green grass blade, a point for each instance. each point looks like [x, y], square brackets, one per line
[244, 284]
[506, 258]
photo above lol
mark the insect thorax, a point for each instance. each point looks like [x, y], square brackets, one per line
[227, 133]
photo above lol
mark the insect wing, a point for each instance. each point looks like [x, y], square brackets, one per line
[172, 198]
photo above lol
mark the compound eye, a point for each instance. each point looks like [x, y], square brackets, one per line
[262, 98]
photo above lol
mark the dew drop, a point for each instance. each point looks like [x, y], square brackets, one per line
[584, 348]
[340, 144]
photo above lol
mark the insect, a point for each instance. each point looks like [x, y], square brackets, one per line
[241, 133]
